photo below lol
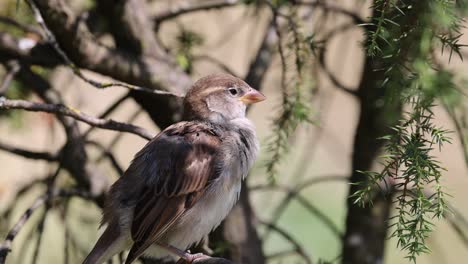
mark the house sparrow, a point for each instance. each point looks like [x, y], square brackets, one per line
[185, 181]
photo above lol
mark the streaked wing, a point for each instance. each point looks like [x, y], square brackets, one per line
[178, 165]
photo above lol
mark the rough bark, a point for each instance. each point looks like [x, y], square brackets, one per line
[366, 228]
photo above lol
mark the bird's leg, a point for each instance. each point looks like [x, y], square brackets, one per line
[185, 257]
[205, 246]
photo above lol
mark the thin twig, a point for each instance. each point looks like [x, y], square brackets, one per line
[40, 232]
[281, 254]
[66, 246]
[216, 62]
[329, 7]
[459, 127]
[337, 83]
[13, 68]
[280, 51]
[185, 9]
[117, 137]
[302, 185]
[5, 247]
[28, 153]
[76, 114]
[108, 111]
[108, 154]
[292, 193]
[23, 27]
[297, 247]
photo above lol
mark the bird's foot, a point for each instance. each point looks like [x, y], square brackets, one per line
[185, 257]
[188, 258]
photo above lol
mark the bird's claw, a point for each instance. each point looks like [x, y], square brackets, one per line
[190, 258]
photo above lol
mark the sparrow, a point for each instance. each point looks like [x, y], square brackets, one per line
[185, 181]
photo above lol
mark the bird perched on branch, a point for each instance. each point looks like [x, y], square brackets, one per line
[185, 181]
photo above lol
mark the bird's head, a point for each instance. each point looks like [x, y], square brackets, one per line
[219, 97]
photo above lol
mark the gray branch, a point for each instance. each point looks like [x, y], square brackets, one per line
[76, 114]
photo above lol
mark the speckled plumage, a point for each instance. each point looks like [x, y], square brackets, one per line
[185, 181]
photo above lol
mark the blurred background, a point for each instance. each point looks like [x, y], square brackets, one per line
[325, 71]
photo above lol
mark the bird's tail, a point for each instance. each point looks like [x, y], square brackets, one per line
[111, 242]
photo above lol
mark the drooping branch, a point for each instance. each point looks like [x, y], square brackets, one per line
[76, 114]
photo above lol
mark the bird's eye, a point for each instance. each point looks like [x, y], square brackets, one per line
[233, 91]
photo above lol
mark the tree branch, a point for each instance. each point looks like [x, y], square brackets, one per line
[27, 51]
[297, 247]
[23, 27]
[5, 247]
[76, 114]
[331, 7]
[28, 153]
[13, 67]
[188, 7]
[73, 155]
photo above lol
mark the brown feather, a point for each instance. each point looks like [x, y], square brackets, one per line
[193, 147]
[194, 104]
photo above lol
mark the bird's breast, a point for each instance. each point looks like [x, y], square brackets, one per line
[239, 152]
[205, 215]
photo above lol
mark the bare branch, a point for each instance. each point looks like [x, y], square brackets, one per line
[73, 154]
[27, 50]
[460, 128]
[331, 7]
[262, 61]
[297, 246]
[13, 68]
[109, 155]
[216, 62]
[40, 232]
[292, 193]
[302, 185]
[76, 114]
[332, 77]
[117, 137]
[5, 247]
[28, 153]
[108, 111]
[23, 27]
[188, 7]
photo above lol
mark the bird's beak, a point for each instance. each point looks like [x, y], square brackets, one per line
[252, 96]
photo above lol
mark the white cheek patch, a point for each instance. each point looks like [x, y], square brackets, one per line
[225, 110]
